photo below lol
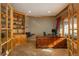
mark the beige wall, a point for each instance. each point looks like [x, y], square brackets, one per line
[38, 25]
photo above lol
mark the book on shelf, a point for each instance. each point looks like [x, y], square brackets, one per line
[20, 19]
[15, 18]
[15, 31]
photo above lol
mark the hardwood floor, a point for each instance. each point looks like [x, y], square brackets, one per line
[30, 49]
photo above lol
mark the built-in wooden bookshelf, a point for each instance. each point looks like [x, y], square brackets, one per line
[5, 28]
[19, 23]
[12, 28]
[19, 28]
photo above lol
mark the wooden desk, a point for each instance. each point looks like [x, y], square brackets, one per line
[50, 42]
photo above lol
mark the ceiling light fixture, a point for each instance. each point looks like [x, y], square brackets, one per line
[49, 11]
[29, 11]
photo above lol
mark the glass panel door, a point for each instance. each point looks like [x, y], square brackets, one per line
[75, 28]
[75, 35]
[65, 27]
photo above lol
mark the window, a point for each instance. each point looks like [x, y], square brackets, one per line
[60, 28]
[75, 28]
[65, 27]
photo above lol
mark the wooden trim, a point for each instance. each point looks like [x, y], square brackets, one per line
[41, 16]
[15, 11]
[6, 42]
[63, 27]
[78, 29]
[62, 10]
[0, 25]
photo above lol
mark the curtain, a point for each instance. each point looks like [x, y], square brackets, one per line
[58, 23]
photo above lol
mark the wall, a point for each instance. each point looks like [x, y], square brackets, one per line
[38, 25]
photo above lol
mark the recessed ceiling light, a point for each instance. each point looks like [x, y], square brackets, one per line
[29, 11]
[49, 11]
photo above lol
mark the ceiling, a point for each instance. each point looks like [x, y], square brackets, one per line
[40, 9]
